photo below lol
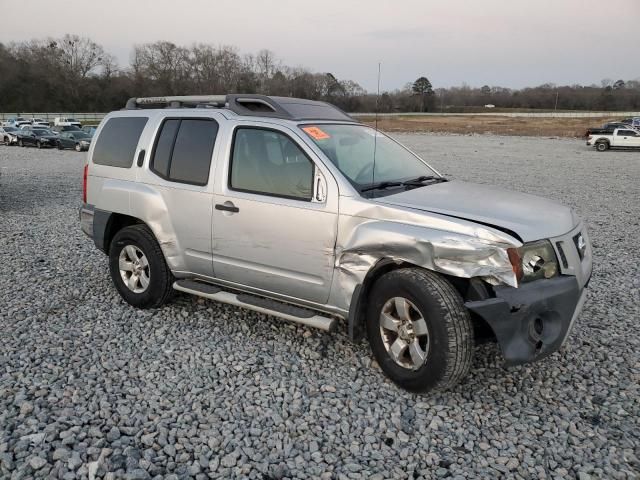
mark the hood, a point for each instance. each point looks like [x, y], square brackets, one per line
[528, 216]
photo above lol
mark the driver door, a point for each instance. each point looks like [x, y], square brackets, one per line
[275, 215]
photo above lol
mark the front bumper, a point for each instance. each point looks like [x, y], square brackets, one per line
[534, 320]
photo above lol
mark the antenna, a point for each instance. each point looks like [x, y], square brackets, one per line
[375, 138]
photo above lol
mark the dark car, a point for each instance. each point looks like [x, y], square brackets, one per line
[8, 135]
[77, 140]
[90, 129]
[66, 128]
[38, 137]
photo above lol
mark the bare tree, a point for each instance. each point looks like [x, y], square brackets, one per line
[79, 56]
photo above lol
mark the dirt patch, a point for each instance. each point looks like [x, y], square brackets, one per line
[498, 125]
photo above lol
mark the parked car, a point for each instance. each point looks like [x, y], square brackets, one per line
[41, 138]
[17, 122]
[626, 137]
[79, 141]
[66, 121]
[607, 128]
[8, 135]
[281, 206]
[39, 122]
[65, 128]
[90, 129]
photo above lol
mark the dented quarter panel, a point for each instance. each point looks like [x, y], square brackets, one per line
[369, 232]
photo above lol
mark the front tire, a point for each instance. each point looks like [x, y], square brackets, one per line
[138, 268]
[419, 330]
[20, 143]
[38, 144]
[78, 147]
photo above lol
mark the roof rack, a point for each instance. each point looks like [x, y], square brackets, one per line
[248, 105]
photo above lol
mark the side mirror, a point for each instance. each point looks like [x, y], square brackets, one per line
[319, 187]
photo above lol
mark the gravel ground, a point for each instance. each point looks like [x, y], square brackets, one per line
[91, 388]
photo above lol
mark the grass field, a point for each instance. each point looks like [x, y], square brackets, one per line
[499, 125]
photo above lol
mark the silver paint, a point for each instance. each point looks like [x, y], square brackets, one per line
[316, 253]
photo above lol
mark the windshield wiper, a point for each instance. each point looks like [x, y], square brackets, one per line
[420, 181]
[381, 186]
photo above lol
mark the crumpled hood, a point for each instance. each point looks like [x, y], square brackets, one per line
[529, 216]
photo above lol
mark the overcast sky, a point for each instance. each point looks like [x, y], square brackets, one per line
[512, 43]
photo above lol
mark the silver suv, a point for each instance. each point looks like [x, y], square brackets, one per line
[292, 208]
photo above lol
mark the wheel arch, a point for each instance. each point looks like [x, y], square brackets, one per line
[469, 289]
[107, 224]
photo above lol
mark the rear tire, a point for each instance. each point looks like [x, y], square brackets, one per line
[135, 257]
[440, 335]
[602, 146]
[20, 143]
[38, 144]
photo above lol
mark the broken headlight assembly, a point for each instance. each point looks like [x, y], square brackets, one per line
[534, 261]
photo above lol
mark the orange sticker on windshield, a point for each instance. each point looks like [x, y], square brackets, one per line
[316, 133]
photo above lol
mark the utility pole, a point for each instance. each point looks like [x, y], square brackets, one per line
[556, 106]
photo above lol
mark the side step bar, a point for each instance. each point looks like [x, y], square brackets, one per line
[257, 304]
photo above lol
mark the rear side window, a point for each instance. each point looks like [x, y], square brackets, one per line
[183, 150]
[626, 133]
[118, 140]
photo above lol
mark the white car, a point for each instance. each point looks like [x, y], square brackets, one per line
[40, 122]
[66, 122]
[626, 137]
[17, 122]
[8, 135]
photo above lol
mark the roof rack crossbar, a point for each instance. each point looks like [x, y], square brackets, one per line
[176, 101]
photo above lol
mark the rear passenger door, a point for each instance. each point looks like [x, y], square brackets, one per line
[180, 167]
[275, 216]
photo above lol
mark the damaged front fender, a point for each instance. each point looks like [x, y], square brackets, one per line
[454, 247]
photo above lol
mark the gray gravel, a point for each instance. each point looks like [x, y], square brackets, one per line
[91, 388]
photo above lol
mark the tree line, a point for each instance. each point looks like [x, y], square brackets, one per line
[75, 74]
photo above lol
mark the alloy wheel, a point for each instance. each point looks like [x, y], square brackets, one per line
[404, 332]
[134, 268]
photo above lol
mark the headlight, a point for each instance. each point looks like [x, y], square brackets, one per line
[534, 261]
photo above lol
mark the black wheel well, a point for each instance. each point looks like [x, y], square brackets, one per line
[470, 289]
[116, 222]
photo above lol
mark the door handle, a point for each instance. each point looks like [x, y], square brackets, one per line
[141, 158]
[227, 207]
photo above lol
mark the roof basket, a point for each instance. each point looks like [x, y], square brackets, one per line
[252, 105]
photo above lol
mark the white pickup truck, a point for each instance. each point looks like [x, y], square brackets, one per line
[66, 122]
[626, 137]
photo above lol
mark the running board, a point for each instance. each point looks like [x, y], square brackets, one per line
[267, 306]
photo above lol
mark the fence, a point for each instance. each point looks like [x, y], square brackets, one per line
[507, 114]
[84, 118]
[94, 118]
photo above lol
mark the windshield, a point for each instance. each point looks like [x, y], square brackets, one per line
[351, 149]
[41, 132]
[10, 129]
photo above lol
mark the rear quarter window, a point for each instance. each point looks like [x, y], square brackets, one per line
[118, 140]
[183, 150]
